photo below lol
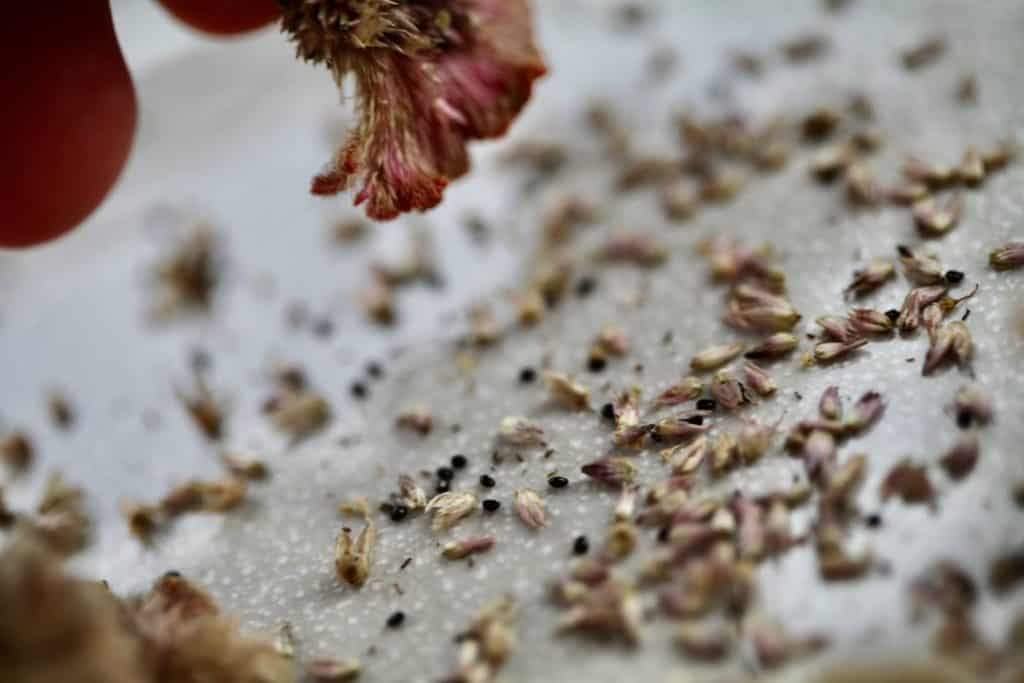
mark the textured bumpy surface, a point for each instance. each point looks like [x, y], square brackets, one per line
[72, 316]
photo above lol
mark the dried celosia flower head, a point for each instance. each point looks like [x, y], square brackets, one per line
[1008, 256]
[611, 470]
[870, 278]
[530, 508]
[429, 78]
[920, 267]
[773, 346]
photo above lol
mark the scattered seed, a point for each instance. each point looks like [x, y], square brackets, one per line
[491, 505]
[924, 53]
[565, 392]
[868, 279]
[908, 481]
[558, 482]
[449, 507]
[933, 220]
[1007, 257]
[716, 356]
[530, 508]
[417, 418]
[614, 471]
[580, 545]
[518, 431]
[457, 550]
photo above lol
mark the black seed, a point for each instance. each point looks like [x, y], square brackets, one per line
[892, 314]
[904, 251]
[359, 390]
[706, 404]
[374, 370]
[581, 545]
[173, 574]
[656, 437]
[954, 276]
[558, 482]
[964, 419]
[459, 461]
[608, 411]
[491, 505]
[597, 363]
[585, 286]
[396, 619]
[398, 513]
[695, 420]
[442, 487]
[445, 473]
[487, 481]
[663, 534]
[323, 328]
[527, 375]
[200, 360]
[874, 520]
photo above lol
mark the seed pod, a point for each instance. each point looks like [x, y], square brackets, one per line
[352, 560]
[724, 453]
[933, 220]
[530, 508]
[518, 431]
[915, 301]
[686, 458]
[970, 400]
[868, 279]
[953, 340]
[450, 507]
[827, 352]
[908, 481]
[1008, 256]
[865, 411]
[919, 267]
[758, 379]
[626, 505]
[483, 326]
[1000, 155]
[865, 321]
[727, 390]
[567, 393]
[842, 483]
[611, 470]
[715, 356]
[678, 202]
[206, 411]
[774, 346]
[686, 390]
[836, 327]
[457, 550]
[681, 426]
[830, 406]
[959, 461]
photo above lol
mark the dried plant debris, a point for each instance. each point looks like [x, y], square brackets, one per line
[774, 346]
[417, 418]
[486, 644]
[354, 558]
[449, 508]
[971, 406]
[62, 522]
[919, 266]
[805, 47]
[333, 669]
[567, 393]
[59, 408]
[687, 389]
[609, 610]
[924, 53]
[633, 248]
[1007, 257]
[461, 549]
[412, 136]
[1007, 571]
[952, 341]
[173, 634]
[518, 431]
[714, 357]
[187, 278]
[870, 278]
[347, 230]
[244, 466]
[206, 410]
[192, 496]
[530, 508]
[16, 450]
[961, 458]
[910, 482]
[612, 470]
[933, 219]
[295, 409]
[377, 300]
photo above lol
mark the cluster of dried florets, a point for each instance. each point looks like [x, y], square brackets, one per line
[430, 76]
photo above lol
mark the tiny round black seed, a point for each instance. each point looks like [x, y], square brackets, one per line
[445, 473]
[696, 420]
[904, 251]
[597, 363]
[558, 482]
[358, 389]
[442, 487]
[964, 419]
[527, 375]
[398, 513]
[874, 520]
[396, 619]
[323, 328]
[585, 286]
[491, 505]
[954, 276]
[663, 534]
[608, 411]
[706, 404]
[892, 314]
[487, 481]
[459, 461]
[374, 370]
[581, 545]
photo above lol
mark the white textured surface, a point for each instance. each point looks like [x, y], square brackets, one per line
[231, 132]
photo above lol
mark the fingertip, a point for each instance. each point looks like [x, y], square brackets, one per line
[224, 17]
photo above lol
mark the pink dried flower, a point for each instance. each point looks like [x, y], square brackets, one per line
[686, 458]
[774, 346]
[530, 508]
[715, 356]
[685, 424]
[819, 454]
[1008, 256]
[865, 411]
[868, 279]
[864, 321]
[952, 341]
[686, 390]
[727, 390]
[611, 470]
[919, 267]
[830, 405]
[756, 310]
[518, 431]
[429, 78]
[457, 550]
[758, 379]
[836, 327]
[826, 352]
[914, 303]
[934, 220]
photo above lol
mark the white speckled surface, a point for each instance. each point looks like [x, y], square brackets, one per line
[71, 315]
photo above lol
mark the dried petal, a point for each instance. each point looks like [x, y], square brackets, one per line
[686, 458]
[830, 405]
[188, 276]
[715, 356]
[352, 560]
[611, 470]
[868, 279]
[450, 507]
[567, 393]
[1008, 256]
[331, 670]
[16, 450]
[836, 328]
[530, 508]
[727, 390]
[687, 389]
[915, 301]
[933, 220]
[865, 411]
[417, 418]
[865, 321]
[754, 440]
[518, 431]
[566, 212]
[959, 461]
[908, 481]
[758, 379]
[681, 426]
[827, 352]
[724, 453]
[774, 346]
[428, 80]
[457, 550]
[919, 267]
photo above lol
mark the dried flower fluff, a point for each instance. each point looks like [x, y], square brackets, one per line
[429, 77]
